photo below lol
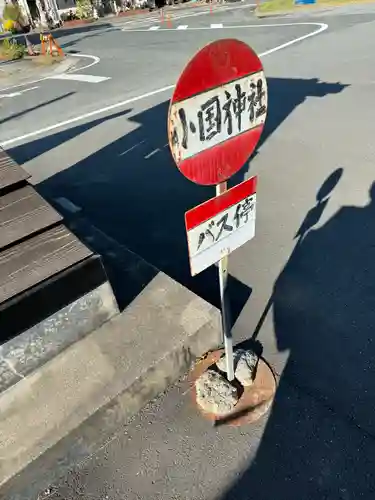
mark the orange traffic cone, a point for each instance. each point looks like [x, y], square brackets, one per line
[53, 45]
[42, 45]
[169, 22]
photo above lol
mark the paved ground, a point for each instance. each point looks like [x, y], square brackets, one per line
[309, 269]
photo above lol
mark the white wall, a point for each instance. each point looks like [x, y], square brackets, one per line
[24, 7]
[65, 4]
[2, 5]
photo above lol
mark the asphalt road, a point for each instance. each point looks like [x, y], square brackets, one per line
[303, 287]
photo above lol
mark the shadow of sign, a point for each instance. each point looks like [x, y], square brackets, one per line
[139, 199]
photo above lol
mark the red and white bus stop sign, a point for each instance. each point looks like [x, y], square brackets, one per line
[216, 117]
[221, 225]
[217, 112]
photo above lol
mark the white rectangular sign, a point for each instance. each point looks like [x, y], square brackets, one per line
[220, 225]
[205, 120]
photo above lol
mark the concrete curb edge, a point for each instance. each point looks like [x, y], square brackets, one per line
[83, 440]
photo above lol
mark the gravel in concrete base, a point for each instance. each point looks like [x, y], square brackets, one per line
[245, 363]
[215, 394]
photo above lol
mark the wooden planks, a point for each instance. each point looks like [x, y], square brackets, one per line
[10, 172]
[22, 213]
[24, 265]
[35, 247]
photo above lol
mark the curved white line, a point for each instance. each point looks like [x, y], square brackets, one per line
[95, 59]
[322, 27]
[106, 109]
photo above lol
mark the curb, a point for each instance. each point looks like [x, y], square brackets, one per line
[63, 412]
[38, 72]
[66, 64]
[114, 19]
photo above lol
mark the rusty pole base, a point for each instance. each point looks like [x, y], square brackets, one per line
[254, 401]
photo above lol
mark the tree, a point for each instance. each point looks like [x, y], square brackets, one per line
[84, 9]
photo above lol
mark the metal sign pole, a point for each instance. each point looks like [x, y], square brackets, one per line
[223, 280]
[218, 226]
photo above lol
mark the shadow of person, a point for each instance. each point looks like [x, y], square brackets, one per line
[317, 443]
[324, 312]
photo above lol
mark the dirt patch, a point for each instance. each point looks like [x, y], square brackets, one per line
[47, 60]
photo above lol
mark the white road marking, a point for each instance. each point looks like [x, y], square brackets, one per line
[147, 22]
[86, 115]
[80, 78]
[182, 27]
[150, 17]
[152, 153]
[131, 148]
[157, 150]
[95, 60]
[29, 82]
[247, 26]
[16, 94]
[153, 28]
[68, 205]
[216, 26]
[322, 27]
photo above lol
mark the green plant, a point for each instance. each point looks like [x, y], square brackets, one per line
[12, 17]
[11, 50]
[12, 12]
[84, 9]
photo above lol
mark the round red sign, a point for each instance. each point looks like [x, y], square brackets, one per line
[217, 112]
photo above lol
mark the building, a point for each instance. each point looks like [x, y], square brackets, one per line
[37, 12]
[66, 6]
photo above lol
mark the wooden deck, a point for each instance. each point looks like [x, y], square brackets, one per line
[35, 247]
[10, 172]
[22, 213]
